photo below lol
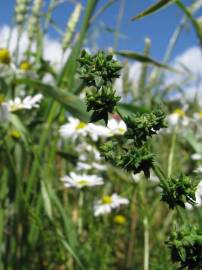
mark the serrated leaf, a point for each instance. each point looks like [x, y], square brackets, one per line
[153, 8]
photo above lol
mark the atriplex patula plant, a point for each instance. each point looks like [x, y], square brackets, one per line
[62, 206]
[132, 151]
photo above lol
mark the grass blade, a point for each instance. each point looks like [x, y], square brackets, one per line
[71, 102]
[69, 68]
[153, 8]
[144, 59]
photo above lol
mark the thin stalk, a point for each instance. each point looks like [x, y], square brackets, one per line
[44, 137]
[80, 220]
[146, 244]
[118, 23]
[172, 152]
[132, 231]
[160, 174]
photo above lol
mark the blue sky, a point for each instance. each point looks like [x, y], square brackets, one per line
[158, 27]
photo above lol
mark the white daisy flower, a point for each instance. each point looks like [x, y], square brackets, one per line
[96, 131]
[178, 117]
[196, 156]
[81, 180]
[107, 203]
[86, 150]
[117, 127]
[197, 115]
[27, 103]
[93, 165]
[198, 197]
[74, 128]
[198, 170]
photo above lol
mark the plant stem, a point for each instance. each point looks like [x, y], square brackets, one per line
[146, 244]
[172, 151]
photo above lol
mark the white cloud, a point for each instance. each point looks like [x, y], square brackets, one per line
[190, 80]
[52, 47]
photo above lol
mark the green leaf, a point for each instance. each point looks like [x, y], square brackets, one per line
[46, 199]
[191, 18]
[144, 59]
[153, 8]
[71, 103]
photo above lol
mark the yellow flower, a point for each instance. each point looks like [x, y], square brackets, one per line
[15, 134]
[81, 125]
[25, 65]
[179, 112]
[1, 99]
[119, 219]
[106, 199]
[5, 56]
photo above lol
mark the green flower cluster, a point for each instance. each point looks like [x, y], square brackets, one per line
[142, 126]
[132, 153]
[186, 247]
[128, 157]
[98, 69]
[179, 191]
[101, 102]
[98, 72]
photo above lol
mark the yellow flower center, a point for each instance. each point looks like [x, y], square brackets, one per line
[200, 114]
[1, 99]
[5, 56]
[83, 182]
[119, 219]
[106, 199]
[81, 125]
[179, 112]
[15, 134]
[122, 130]
[25, 66]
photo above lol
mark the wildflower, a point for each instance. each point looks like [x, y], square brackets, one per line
[198, 170]
[178, 117]
[81, 180]
[96, 131]
[196, 156]
[198, 115]
[198, 195]
[120, 219]
[15, 134]
[107, 203]
[27, 103]
[117, 127]
[25, 66]
[86, 150]
[5, 56]
[74, 128]
[93, 165]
